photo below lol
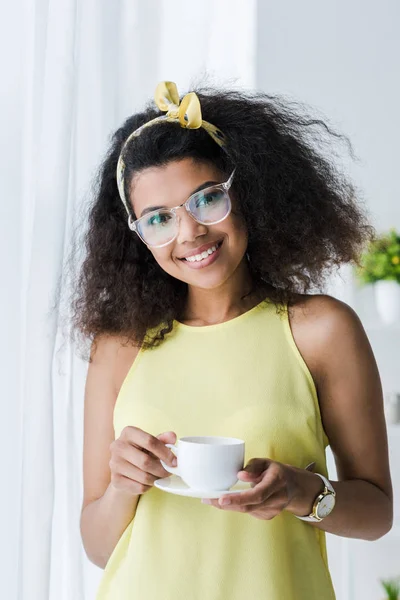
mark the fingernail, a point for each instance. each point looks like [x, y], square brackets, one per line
[205, 501]
[174, 462]
[224, 501]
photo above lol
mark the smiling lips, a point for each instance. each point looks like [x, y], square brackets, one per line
[204, 256]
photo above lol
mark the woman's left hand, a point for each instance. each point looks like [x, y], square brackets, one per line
[273, 488]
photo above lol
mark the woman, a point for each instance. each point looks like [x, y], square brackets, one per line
[211, 225]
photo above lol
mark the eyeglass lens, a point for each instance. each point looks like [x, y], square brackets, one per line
[208, 207]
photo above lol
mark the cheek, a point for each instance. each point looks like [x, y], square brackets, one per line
[237, 230]
[163, 256]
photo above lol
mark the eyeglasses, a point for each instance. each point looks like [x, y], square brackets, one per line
[208, 207]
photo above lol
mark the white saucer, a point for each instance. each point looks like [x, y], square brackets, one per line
[175, 485]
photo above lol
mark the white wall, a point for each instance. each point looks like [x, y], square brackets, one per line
[343, 59]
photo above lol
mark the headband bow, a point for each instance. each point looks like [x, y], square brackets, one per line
[187, 113]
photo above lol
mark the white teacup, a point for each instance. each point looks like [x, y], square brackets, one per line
[208, 463]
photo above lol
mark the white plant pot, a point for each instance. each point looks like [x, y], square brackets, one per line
[387, 297]
[392, 407]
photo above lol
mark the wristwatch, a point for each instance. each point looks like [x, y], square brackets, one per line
[324, 503]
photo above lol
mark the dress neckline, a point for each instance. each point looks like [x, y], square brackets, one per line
[232, 321]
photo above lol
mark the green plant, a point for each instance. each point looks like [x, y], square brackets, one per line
[381, 260]
[392, 588]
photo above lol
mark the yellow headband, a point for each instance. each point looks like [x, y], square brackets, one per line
[187, 113]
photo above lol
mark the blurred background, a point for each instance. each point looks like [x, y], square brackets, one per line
[72, 70]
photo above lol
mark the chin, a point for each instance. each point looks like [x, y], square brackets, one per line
[206, 284]
[208, 281]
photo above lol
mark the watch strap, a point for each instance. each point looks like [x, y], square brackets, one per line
[328, 487]
[327, 483]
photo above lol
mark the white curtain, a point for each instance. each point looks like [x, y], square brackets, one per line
[74, 69]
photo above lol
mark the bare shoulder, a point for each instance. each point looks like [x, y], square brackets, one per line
[324, 317]
[104, 348]
[115, 354]
[321, 308]
[322, 325]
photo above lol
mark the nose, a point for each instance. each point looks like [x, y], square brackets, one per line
[189, 228]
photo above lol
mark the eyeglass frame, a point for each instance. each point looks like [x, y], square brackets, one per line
[226, 185]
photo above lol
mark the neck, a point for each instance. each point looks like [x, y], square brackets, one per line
[234, 297]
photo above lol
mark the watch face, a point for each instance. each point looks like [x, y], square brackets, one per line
[325, 506]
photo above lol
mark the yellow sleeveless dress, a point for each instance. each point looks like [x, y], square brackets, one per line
[244, 378]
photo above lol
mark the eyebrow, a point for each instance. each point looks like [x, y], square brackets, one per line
[198, 189]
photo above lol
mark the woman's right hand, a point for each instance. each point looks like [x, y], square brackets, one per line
[135, 459]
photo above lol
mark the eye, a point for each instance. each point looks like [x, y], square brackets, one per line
[209, 198]
[158, 219]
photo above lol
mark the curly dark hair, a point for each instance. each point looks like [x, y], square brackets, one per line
[302, 213]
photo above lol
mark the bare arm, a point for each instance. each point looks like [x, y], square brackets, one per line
[106, 511]
[103, 521]
[334, 345]
[116, 472]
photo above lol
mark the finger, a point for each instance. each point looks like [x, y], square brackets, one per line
[257, 494]
[215, 503]
[149, 442]
[310, 467]
[269, 509]
[273, 503]
[127, 484]
[211, 501]
[144, 461]
[256, 466]
[126, 469]
[254, 471]
[168, 437]
[251, 478]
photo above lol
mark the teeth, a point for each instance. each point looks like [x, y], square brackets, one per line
[202, 256]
